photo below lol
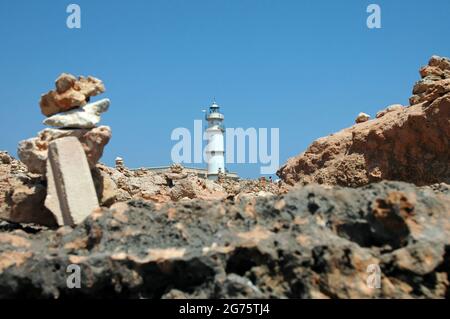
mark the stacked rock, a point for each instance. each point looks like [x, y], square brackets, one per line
[66, 153]
[435, 81]
[120, 165]
[69, 113]
[176, 172]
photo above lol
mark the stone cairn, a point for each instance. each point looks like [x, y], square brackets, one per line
[176, 172]
[120, 165]
[67, 152]
[221, 176]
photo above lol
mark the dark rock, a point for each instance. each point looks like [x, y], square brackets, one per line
[314, 242]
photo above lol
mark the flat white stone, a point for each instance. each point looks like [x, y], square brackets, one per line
[87, 116]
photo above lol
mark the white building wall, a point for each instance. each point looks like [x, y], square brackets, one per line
[215, 151]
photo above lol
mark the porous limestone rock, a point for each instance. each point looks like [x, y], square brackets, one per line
[87, 116]
[104, 185]
[71, 194]
[194, 187]
[22, 196]
[313, 242]
[22, 201]
[33, 152]
[362, 117]
[435, 81]
[412, 145]
[70, 93]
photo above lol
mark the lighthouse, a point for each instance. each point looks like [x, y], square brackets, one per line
[215, 148]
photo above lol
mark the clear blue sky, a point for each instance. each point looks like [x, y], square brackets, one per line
[306, 67]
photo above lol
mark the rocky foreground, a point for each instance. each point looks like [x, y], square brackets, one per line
[313, 242]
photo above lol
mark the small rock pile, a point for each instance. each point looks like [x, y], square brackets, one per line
[435, 81]
[120, 165]
[69, 115]
[74, 129]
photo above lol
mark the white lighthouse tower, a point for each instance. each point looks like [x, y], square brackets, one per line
[215, 148]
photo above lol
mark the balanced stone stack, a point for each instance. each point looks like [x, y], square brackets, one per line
[67, 152]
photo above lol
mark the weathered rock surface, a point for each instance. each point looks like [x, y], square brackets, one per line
[33, 152]
[107, 192]
[313, 242]
[390, 108]
[118, 185]
[70, 93]
[435, 81]
[85, 117]
[175, 185]
[194, 187]
[21, 195]
[407, 144]
[71, 194]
